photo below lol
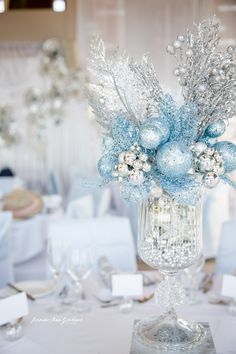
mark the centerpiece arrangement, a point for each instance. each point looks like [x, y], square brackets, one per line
[163, 155]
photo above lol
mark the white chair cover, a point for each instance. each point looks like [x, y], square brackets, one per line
[8, 184]
[28, 238]
[81, 208]
[226, 256]
[6, 266]
[109, 236]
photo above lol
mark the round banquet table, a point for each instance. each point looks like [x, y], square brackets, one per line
[106, 331]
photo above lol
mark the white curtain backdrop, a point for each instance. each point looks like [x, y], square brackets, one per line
[72, 146]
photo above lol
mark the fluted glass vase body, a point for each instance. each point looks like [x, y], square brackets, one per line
[169, 240]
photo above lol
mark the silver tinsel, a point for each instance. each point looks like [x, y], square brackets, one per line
[123, 85]
[207, 75]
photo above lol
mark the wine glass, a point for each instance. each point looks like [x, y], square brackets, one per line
[80, 264]
[56, 252]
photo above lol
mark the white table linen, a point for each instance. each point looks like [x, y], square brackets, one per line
[109, 236]
[28, 238]
[106, 331]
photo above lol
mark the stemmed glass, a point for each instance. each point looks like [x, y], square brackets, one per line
[56, 251]
[80, 263]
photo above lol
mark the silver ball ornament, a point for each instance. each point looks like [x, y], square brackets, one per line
[143, 157]
[170, 49]
[211, 180]
[146, 167]
[137, 165]
[121, 157]
[123, 170]
[199, 147]
[136, 177]
[177, 44]
[130, 157]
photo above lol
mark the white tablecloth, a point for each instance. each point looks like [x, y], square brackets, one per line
[106, 331]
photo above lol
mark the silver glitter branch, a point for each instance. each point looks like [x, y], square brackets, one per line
[123, 86]
[207, 76]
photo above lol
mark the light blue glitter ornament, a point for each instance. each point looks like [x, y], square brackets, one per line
[174, 159]
[150, 136]
[106, 165]
[124, 132]
[108, 143]
[216, 129]
[162, 125]
[228, 153]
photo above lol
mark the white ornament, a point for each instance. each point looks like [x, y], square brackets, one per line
[130, 157]
[199, 147]
[123, 169]
[143, 157]
[137, 165]
[146, 167]
[121, 157]
[136, 177]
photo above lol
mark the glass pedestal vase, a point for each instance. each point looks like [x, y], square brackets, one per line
[169, 240]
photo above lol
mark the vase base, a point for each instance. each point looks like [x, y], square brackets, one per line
[169, 333]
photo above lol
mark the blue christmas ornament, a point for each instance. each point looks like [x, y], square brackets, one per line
[163, 125]
[174, 159]
[228, 153]
[108, 143]
[150, 137]
[106, 165]
[216, 129]
[124, 132]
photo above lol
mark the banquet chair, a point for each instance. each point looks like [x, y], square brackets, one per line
[88, 186]
[226, 256]
[8, 184]
[109, 236]
[6, 266]
[29, 248]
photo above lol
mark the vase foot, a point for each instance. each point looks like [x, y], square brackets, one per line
[169, 333]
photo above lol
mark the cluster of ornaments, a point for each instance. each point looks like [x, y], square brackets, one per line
[209, 163]
[133, 164]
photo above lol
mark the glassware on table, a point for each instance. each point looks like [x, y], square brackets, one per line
[169, 240]
[191, 278]
[56, 252]
[14, 330]
[80, 264]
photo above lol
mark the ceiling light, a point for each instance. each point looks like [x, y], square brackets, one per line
[59, 5]
[2, 6]
[227, 8]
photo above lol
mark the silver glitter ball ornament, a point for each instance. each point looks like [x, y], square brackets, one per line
[130, 157]
[177, 44]
[181, 38]
[136, 177]
[211, 180]
[170, 49]
[205, 163]
[137, 165]
[199, 147]
[123, 169]
[189, 53]
[146, 167]
[143, 157]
